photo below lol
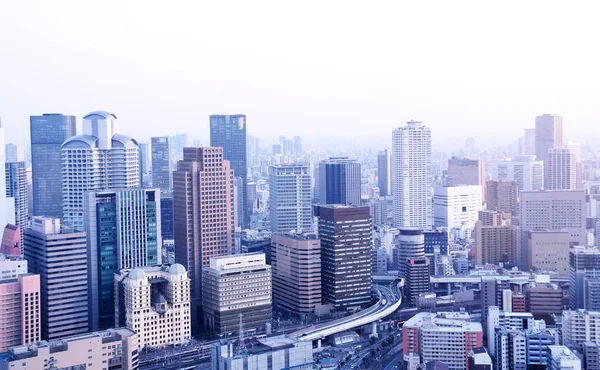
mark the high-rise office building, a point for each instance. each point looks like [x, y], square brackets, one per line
[98, 159]
[561, 169]
[178, 142]
[579, 326]
[413, 266]
[464, 171]
[203, 214]
[290, 201]
[155, 302]
[543, 297]
[411, 176]
[7, 205]
[555, 210]
[529, 142]
[123, 230]
[339, 181]
[548, 135]
[495, 239]
[584, 263]
[297, 146]
[145, 164]
[524, 170]
[15, 153]
[48, 133]
[229, 133]
[60, 258]
[166, 216]
[548, 251]
[234, 286]
[162, 164]
[346, 243]
[16, 188]
[454, 206]
[20, 313]
[383, 173]
[296, 264]
[502, 196]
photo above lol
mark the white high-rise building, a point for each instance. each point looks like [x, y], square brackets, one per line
[14, 153]
[580, 326]
[411, 176]
[290, 198]
[524, 170]
[156, 304]
[561, 170]
[7, 205]
[454, 206]
[98, 159]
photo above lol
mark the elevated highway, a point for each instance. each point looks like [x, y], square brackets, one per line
[390, 298]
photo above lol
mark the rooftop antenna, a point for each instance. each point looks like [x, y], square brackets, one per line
[242, 344]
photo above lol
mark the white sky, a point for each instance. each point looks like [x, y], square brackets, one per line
[312, 68]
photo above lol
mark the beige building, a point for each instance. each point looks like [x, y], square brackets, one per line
[495, 238]
[156, 304]
[20, 311]
[549, 251]
[114, 349]
[502, 196]
[296, 269]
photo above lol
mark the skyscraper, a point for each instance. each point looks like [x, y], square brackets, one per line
[15, 153]
[48, 133]
[495, 239]
[7, 205]
[290, 204]
[203, 213]
[123, 229]
[561, 169]
[413, 266]
[229, 133]
[502, 196]
[162, 164]
[145, 163]
[60, 257]
[297, 146]
[411, 176]
[383, 173]
[346, 243]
[529, 142]
[339, 179]
[97, 160]
[584, 263]
[548, 135]
[524, 170]
[16, 188]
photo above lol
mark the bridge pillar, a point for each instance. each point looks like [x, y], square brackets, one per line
[374, 330]
[318, 345]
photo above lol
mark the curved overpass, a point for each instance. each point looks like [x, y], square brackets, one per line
[390, 299]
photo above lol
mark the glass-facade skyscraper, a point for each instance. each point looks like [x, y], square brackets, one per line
[124, 232]
[229, 133]
[339, 181]
[162, 164]
[48, 132]
[16, 188]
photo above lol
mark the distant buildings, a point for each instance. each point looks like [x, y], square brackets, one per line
[561, 170]
[548, 135]
[48, 132]
[290, 203]
[233, 286]
[145, 160]
[60, 258]
[444, 336]
[411, 176]
[155, 302]
[346, 243]
[203, 214]
[115, 348]
[383, 173]
[229, 133]
[166, 216]
[16, 188]
[454, 206]
[464, 171]
[296, 269]
[98, 159]
[162, 164]
[339, 181]
[20, 314]
[123, 230]
[525, 170]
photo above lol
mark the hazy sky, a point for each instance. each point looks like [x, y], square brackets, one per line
[312, 68]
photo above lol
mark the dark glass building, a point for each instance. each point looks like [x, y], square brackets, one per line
[346, 243]
[162, 164]
[383, 173]
[436, 238]
[16, 187]
[584, 263]
[48, 132]
[166, 216]
[339, 181]
[229, 133]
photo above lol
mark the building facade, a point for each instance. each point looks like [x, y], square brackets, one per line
[454, 206]
[123, 229]
[48, 132]
[495, 239]
[411, 176]
[548, 251]
[162, 164]
[465, 171]
[99, 159]
[525, 170]
[20, 314]
[561, 168]
[16, 188]
[383, 173]
[237, 288]
[584, 263]
[60, 258]
[203, 214]
[502, 196]
[154, 302]
[339, 181]
[229, 133]
[290, 202]
[296, 269]
[346, 243]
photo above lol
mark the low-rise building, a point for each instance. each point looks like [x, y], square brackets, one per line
[114, 349]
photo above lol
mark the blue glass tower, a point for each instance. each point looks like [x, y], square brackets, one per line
[48, 132]
[339, 181]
